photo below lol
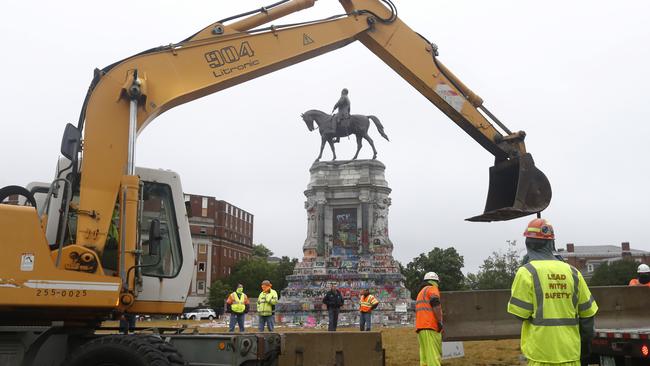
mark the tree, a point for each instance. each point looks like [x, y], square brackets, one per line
[218, 293]
[498, 270]
[615, 273]
[283, 269]
[259, 250]
[250, 273]
[445, 262]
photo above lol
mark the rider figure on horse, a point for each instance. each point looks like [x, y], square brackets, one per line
[343, 105]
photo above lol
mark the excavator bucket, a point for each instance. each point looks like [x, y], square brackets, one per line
[517, 188]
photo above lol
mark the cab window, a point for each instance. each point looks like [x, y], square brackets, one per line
[158, 204]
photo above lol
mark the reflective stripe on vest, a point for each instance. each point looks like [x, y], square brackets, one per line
[365, 305]
[538, 317]
[238, 304]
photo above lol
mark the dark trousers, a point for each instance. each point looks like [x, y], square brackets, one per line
[268, 320]
[127, 324]
[236, 318]
[333, 314]
[365, 321]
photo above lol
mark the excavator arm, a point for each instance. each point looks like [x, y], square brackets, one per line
[143, 86]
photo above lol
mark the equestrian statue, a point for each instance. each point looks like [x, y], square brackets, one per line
[342, 124]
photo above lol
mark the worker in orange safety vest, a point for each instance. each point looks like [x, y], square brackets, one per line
[367, 303]
[428, 321]
[643, 278]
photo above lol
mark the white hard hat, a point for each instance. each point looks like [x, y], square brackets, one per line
[431, 276]
[643, 268]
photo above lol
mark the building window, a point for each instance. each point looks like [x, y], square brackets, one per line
[590, 268]
[224, 252]
[201, 266]
[203, 248]
[228, 270]
[204, 206]
[186, 197]
[200, 287]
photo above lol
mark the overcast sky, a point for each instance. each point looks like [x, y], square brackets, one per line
[572, 74]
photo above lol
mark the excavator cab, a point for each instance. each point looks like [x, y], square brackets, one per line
[517, 188]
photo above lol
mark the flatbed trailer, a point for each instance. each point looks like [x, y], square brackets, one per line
[621, 347]
[53, 346]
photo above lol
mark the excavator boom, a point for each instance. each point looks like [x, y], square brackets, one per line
[221, 56]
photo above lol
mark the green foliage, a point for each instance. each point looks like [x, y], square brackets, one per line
[283, 269]
[498, 270]
[614, 274]
[447, 263]
[219, 291]
[251, 272]
[259, 250]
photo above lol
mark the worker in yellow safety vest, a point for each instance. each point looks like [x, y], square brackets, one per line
[553, 301]
[237, 305]
[266, 305]
[428, 321]
[643, 278]
[367, 303]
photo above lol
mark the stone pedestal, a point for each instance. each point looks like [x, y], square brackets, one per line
[348, 244]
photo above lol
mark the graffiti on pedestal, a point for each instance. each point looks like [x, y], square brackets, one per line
[345, 233]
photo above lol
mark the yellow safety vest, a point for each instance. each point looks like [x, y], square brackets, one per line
[266, 301]
[238, 304]
[551, 295]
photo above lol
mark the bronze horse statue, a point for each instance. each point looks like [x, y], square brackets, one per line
[355, 125]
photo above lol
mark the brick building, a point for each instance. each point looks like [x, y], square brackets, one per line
[586, 258]
[222, 235]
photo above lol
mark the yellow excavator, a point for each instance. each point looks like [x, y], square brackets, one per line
[107, 238]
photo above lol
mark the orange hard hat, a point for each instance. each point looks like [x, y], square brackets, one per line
[540, 229]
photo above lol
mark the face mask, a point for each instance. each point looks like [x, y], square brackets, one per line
[240, 290]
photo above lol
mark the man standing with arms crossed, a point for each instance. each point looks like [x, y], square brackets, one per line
[428, 321]
[265, 303]
[554, 303]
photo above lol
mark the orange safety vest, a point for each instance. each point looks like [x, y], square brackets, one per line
[365, 304]
[424, 316]
[635, 282]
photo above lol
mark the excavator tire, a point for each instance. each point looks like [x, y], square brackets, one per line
[171, 353]
[119, 350]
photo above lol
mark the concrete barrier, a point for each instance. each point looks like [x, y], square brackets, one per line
[331, 349]
[482, 315]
